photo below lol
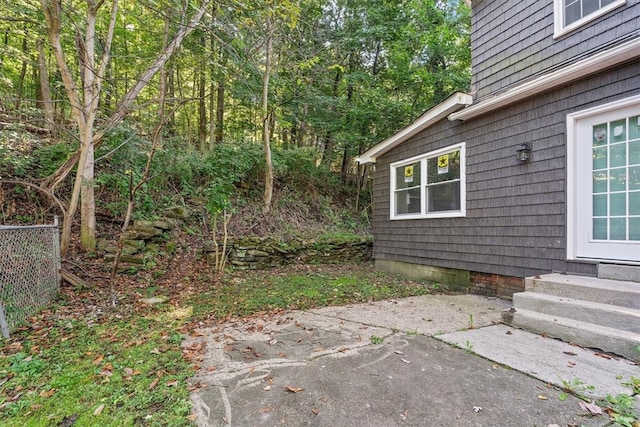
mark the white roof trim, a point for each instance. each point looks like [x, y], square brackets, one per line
[428, 118]
[593, 64]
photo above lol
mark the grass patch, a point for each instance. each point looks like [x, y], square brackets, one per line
[127, 367]
[264, 292]
[65, 372]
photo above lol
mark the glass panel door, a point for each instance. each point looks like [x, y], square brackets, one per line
[616, 180]
[606, 197]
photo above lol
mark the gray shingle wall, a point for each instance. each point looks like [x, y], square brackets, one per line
[512, 41]
[515, 223]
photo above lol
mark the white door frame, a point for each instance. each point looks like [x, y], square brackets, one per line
[573, 206]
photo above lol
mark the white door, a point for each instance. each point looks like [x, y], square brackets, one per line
[604, 153]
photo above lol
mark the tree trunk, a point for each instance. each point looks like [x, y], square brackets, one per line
[268, 177]
[87, 196]
[344, 169]
[202, 101]
[45, 101]
[162, 79]
[327, 152]
[327, 155]
[220, 113]
[23, 71]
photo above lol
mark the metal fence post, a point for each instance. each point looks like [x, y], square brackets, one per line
[56, 249]
[3, 322]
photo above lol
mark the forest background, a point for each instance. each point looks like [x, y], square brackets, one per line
[201, 100]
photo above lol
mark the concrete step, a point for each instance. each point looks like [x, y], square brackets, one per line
[629, 273]
[606, 339]
[612, 316]
[605, 291]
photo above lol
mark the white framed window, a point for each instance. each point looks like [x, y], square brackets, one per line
[571, 14]
[429, 186]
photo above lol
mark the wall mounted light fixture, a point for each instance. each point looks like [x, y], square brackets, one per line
[523, 154]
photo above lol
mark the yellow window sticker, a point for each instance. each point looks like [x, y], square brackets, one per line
[443, 164]
[408, 174]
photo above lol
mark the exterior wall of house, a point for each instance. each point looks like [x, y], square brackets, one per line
[515, 224]
[513, 40]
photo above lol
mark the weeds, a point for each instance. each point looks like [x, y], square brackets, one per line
[468, 347]
[634, 383]
[577, 387]
[622, 410]
[376, 339]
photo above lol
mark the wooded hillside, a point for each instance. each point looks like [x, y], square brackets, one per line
[106, 101]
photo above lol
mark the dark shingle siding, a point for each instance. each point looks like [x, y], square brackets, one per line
[515, 222]
[512, 41]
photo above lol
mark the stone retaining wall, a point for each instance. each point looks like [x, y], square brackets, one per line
[258, 253]
[145, 238]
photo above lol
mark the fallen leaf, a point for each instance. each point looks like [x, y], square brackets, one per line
[155, 351]
[172, 383]
[315, 411]
[128, 371]
[342, 349]
[399, 352]
[569, 353]
[98, 359]
[591, 407]
[99, 410]
[542, 397]
[406, 361]
[153, 384]
[294, 389]
[48, 393]
[604, 356]
[212, 368]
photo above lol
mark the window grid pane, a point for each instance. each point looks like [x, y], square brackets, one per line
[575, 10]
[616, 180]
[430, 185]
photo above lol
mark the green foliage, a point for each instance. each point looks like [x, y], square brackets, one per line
[577, 387]
[16, 147]
[634, 383]
[26, 366]
[622, 409]
[376, 339]
[47, 159]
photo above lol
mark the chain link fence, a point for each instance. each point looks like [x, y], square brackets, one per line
[29, 272]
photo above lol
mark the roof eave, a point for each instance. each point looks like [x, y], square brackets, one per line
[583, 68]
[450, 105]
